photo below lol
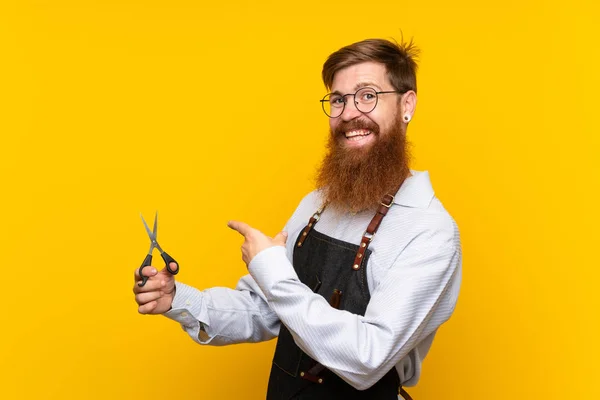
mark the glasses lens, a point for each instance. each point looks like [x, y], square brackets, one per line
[333, 105]
[366, 100]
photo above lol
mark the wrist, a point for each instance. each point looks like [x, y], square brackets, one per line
[172, 293]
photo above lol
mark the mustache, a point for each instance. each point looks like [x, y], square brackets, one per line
[356, 124]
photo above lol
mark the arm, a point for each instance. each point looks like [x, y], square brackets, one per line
[415, 298]
[221, 316]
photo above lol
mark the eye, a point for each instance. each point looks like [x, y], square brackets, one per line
[336, 100]
[368, 96]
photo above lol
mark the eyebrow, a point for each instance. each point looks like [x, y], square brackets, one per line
[365, 84]
[361, 85]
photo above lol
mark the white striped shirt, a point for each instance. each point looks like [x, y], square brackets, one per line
[413, 272]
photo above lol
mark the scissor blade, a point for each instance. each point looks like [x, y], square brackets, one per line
[155, 222]
[150, 234]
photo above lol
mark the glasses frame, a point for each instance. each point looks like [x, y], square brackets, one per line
[323, 100]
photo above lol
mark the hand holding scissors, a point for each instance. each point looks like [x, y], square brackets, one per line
[154, 244]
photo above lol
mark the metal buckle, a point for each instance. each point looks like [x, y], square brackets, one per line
[369, 235]
[391, 201]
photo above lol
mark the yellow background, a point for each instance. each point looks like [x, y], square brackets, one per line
[209, 112]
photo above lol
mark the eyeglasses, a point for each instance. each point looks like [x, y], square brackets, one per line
[365, 99]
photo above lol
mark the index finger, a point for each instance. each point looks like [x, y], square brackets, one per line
[241, 227]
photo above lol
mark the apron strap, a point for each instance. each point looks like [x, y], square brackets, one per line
[404, 393]
[311, 223]
[384, 206]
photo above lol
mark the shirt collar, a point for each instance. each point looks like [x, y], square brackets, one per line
[416, 191]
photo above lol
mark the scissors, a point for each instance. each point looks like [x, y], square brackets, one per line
[154, 244]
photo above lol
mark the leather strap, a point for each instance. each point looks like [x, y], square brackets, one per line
[336, 298]
[385, 205]
[311, 223]
[404, 393]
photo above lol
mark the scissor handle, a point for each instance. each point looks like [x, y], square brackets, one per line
[146, 263]
[168, 260]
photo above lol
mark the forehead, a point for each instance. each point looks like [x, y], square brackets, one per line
[363, 74]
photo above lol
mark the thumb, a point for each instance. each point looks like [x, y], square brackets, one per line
[172, 265]
[280, 238]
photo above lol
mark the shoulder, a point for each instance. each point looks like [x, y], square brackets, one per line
[419, 218]
[415, 232]
[310, 203]
[436, 226]
[312, 199]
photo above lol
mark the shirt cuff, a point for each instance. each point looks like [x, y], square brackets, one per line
[188, 307]
[271, 266]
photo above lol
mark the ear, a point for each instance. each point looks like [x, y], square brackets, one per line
[408, 105]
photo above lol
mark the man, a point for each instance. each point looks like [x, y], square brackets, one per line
[372, 266]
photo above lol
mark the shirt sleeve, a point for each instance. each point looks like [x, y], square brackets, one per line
[416, 296]
[221, 316]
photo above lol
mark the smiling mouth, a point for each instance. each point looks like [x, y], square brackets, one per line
[357, 134]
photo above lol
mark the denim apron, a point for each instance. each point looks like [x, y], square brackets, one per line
[328, 266]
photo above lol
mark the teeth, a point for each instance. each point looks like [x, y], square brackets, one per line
[357, 133]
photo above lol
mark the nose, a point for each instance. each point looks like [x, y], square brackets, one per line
[350, 111]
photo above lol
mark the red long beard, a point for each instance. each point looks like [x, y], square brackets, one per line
[356, 179]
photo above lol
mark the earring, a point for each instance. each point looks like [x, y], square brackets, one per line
[406, 118]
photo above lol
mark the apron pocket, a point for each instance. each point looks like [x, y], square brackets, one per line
[287, 353]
